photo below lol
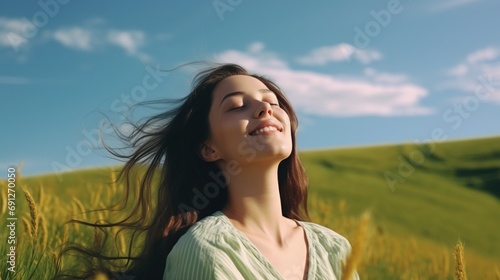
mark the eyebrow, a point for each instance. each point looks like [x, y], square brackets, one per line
[263, 90]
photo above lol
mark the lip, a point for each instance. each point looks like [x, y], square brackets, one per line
[264, 124]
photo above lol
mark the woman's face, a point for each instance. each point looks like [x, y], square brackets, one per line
[246, 123]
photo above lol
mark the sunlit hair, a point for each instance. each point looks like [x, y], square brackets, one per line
[167, 146]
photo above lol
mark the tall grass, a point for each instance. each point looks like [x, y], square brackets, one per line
[360, 241]
[460, 273]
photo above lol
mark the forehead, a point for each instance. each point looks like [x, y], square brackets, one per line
[237, 83]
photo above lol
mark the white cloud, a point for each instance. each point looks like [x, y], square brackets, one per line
[483, 55]
[75, 38]
[12, 32]
[90, 38]
[91, 35]
[337, 53]
[130, 41]
[445, 5]
[256, 47]
[479, 70]
[14, 25]
[460, 70]
[379, 94]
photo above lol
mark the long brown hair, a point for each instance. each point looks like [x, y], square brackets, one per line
[167, 146]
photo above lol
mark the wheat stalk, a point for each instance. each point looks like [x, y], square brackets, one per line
[55, 258]
[353, 259]
[41, 195]
[121, 242]
[460, 272]
[44, 233]
[27, 227]
[97, 239]
[96, 195]
[33, 212]
[80, 207]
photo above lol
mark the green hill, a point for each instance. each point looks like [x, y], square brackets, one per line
[436, 193]
[442, 192]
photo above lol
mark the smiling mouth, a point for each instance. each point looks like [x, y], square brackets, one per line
[265, 130]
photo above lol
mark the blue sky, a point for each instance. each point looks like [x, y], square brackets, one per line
[357, 72]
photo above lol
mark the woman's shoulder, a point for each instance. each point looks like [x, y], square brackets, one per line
[205, 231]
[196, 253]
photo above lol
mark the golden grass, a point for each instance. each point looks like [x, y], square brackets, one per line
[33, 213]
[27, 227]
[376, 252]
[41, 196]
[460, 272]
[44, 232]
[360, 241]
[79, 208]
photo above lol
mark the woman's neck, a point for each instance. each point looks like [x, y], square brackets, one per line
[254, 204]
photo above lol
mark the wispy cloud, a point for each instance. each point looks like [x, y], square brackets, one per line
[373, 93]
[483, 55]
[11, 30]
[474, 69]
[90, 38]
[91, 35]
[11, 80]
[338, 53]
[129, 40]
[445, 5]
[75, 38]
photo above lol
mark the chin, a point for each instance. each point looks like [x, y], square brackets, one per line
[279, 153]
[263, 148]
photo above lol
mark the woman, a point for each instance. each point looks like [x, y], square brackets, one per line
[232, 193]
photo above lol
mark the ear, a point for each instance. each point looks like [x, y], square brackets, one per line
[208, 153]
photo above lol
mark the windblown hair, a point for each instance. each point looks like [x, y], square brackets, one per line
[166, 146]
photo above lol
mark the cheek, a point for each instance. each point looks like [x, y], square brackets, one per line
[227, 131]
[288, 128]
[216, 133]
[286, 120]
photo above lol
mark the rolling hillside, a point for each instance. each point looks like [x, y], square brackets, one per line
[433, 193]
[441, 192]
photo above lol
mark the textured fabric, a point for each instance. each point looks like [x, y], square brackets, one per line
[214, 249]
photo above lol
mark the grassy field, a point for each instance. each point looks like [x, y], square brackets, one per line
[422, 200]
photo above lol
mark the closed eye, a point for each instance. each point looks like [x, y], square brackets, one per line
[237, 108]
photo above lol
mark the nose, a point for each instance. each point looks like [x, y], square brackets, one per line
[264, 109]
